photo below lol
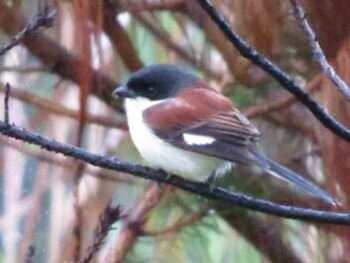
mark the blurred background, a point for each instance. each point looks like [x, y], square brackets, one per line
[62, 79]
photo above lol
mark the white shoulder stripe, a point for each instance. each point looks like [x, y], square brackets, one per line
[193, 139]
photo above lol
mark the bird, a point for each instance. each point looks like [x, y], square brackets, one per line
[182, 125]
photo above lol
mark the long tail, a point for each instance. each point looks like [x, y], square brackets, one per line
[288, 175]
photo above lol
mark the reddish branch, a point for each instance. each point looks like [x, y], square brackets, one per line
[56, 108]
[120, 38]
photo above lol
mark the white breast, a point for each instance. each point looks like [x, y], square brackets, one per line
[159, 154]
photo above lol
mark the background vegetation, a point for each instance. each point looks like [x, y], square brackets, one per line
[53, 209]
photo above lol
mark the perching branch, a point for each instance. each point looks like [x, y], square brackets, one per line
[286, 81]
[317, 51]
[199, 188]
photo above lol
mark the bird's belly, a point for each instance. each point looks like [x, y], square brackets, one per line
[187, 164]
[160, 154]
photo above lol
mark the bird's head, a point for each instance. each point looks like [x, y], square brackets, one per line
[156, 82]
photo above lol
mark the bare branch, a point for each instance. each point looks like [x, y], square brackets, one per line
[317, 51]
[198, 188]
[286, 81]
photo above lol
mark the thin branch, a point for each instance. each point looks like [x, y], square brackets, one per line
[198, 188]
[285, 80]
[317, 51]
[44, 19]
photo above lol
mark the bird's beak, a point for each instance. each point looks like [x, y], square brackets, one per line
[123, 92]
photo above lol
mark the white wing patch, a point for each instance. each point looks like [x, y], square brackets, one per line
[193, 139]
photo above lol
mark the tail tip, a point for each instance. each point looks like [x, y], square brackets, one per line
[332, 201]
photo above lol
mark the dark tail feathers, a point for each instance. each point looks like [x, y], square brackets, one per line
[288, 175]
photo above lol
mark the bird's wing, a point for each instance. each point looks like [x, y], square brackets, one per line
[209, 125]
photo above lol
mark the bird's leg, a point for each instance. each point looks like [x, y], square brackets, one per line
[211, 181]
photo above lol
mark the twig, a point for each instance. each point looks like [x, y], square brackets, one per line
[198, 188]
[285, 80]
[44, 19]
[317, 51]
[109, 216]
